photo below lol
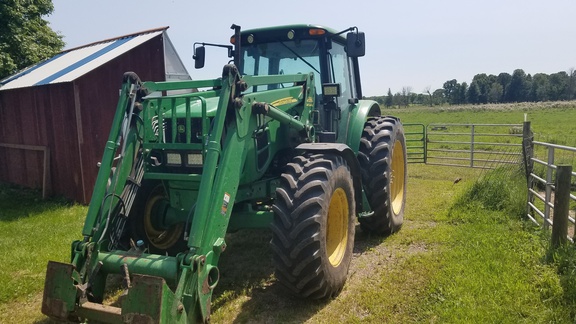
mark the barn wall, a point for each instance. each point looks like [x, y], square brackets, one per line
[40, 116]
[73, 119]
[98, 96]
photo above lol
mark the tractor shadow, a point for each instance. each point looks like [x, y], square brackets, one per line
[248, 292]
[364, 241]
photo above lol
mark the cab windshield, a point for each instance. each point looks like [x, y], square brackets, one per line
[287, 57]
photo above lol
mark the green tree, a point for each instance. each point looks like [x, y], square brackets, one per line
[389, 101]
[398, 99]
[473, 93]
[25, 37]
[413, 98]
[540, 87]
[430, 99]
[559, 85]
[495, 92]
[451, 89]
[517, 89]
[438, 97]
[420, 99]
[406, 91]
[462, 93]
[527, 87]
[572, 85]
[482, 82]
[504, 80]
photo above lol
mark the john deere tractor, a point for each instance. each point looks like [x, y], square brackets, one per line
[282, 140]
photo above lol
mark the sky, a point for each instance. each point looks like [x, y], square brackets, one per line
[409, 43]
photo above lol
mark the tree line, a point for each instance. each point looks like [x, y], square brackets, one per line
[501, 88]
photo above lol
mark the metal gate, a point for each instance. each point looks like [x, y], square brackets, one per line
[464, 145]
[415, 142]
[543, 178]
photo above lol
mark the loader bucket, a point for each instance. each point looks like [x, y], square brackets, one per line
[149, 300]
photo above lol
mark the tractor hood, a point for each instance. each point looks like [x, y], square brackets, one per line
[177, 106]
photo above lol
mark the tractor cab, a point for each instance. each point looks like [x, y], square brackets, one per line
[304, 49]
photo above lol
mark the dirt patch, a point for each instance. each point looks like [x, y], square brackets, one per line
[371, 256]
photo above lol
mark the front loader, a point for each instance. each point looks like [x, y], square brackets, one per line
[282, 140]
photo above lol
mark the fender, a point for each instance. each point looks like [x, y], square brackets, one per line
[345, 152]
[356, 119]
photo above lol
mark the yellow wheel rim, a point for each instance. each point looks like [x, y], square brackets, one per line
[397, 177]
[337, 227]
[161, 239]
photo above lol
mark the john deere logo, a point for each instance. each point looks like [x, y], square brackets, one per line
[181, 129]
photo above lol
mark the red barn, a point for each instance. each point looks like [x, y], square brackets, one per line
[55, 116]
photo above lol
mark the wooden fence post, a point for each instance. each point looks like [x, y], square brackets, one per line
[527, 154]
[527, 148]
[561, 205]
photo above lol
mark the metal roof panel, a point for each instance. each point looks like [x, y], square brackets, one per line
[71, 64]
[51, 67]
[112, 52]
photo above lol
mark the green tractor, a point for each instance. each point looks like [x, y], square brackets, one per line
[282, 140]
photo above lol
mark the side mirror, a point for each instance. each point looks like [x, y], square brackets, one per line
[355, 44]
[199, 57]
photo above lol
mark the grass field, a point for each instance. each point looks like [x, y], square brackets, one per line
[463, 256]
[551, 122]
[32, 231]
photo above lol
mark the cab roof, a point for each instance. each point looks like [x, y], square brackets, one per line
[281, 33]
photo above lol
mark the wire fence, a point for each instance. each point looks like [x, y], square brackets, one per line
[549, 167]
[552, 187]
[483, 146]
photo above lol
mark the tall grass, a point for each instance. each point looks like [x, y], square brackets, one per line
[501, 190]
[564, 258]
[493, 269]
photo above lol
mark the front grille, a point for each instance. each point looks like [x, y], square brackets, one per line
[195, 132]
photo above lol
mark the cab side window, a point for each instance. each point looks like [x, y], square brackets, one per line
[341, 72]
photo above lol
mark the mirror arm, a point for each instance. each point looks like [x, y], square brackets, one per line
[346, 30]
[229, 47]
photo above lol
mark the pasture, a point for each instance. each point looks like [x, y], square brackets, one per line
[464, 253]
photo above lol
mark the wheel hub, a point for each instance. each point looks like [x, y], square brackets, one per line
[337, 227]
[397, 178]
[154, 214]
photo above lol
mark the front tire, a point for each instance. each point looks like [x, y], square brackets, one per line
[149, 207]
[383, 161]
[313, 227]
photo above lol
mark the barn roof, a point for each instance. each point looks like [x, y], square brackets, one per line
[70, 64]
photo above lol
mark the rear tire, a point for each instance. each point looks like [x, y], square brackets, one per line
[383, 159]
[313, 227]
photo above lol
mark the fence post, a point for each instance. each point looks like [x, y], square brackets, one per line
[561, 205]
[548, 193]
[528, 154]
[425, 140]
[527, 149]
[472, 147]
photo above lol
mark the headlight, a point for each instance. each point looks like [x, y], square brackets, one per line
[173, 159]
[194, 159]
